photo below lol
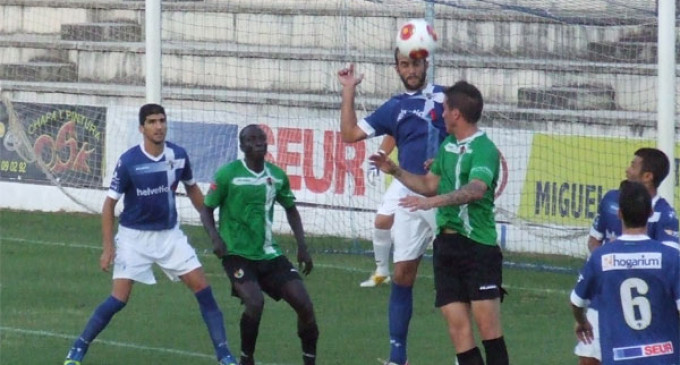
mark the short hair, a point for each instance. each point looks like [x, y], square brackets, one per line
[635, 204]
[467, 99]
[244, 129]
[149, 109]
[654, 161]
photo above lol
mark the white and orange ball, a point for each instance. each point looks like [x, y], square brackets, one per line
[416, 39]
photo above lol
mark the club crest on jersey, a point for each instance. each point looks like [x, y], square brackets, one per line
[238, 273]
[213, 186]
[629, 261]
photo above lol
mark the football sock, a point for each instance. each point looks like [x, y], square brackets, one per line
[98, 321]
[470, 357]
[382, 243]
[309, 334]
[496, 352]
[250, 328]
[212, 316]
[400, 311]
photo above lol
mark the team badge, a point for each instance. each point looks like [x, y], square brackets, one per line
[238, 274]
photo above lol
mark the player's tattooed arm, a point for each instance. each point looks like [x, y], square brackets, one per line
[468, 193]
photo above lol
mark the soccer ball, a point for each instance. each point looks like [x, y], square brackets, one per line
[416, 39]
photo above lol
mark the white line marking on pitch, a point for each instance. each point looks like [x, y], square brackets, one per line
[112, 343]
[334, 267]
[107, 342]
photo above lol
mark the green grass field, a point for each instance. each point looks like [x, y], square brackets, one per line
[51, 283]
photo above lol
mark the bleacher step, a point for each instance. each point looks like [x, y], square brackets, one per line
[102, 32]
[40, 70]
[567, 98]
[633, 52]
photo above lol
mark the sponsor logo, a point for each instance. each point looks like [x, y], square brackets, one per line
[153, 191]
[648, 350]
[628, 261]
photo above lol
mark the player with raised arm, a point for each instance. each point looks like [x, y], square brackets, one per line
[147, 177]
[634, 280]
[245, 192]
[466, 257]
[649, 167]
[414, 120]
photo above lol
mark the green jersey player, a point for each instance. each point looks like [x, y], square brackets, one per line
[245, 191]
[467, 260]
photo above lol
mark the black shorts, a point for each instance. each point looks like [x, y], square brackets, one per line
[271, 275]
[465, 270]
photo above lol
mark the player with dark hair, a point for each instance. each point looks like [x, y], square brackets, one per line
[245, 191]
[414, 120]
[147, 176]
[649, 167]
[467, 259]
[634, 280]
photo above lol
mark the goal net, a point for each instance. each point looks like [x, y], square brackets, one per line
[569, 88]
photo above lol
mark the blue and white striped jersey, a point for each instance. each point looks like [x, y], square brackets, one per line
[416, 123]
[148, 185]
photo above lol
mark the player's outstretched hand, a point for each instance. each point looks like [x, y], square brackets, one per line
[428, 163]
[584, 332]
[413, 203]
[304, 260]
[347, 77]
[106, 259]
[385, 164]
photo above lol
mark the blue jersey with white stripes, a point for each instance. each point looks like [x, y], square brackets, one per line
[661, 226]
[636, 281]
[148, 184]
[416, 123]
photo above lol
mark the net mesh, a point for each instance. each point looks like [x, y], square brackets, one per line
[569, 88]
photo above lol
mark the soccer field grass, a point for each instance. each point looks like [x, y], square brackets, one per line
[51, 283]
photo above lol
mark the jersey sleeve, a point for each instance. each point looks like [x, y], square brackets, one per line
[667, 228]
[485, 166]
[597, 230]
[187, 173]
[219, 188]
[585, 286]
[284, 195]
[381, 121]
[119, 182]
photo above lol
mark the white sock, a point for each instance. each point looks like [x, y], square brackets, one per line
[382, 244]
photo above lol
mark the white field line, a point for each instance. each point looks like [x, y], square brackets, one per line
[105, 342]
[324, 266]
[128, 345]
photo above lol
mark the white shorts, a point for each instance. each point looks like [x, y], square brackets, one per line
[412, 231]
[137, 250]
[591, 349]
[390, 200]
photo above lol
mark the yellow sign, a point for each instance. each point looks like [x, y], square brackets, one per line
[568, 175]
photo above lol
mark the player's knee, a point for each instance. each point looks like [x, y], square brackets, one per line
[254, 307]
[305, 311]
[383, 221]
